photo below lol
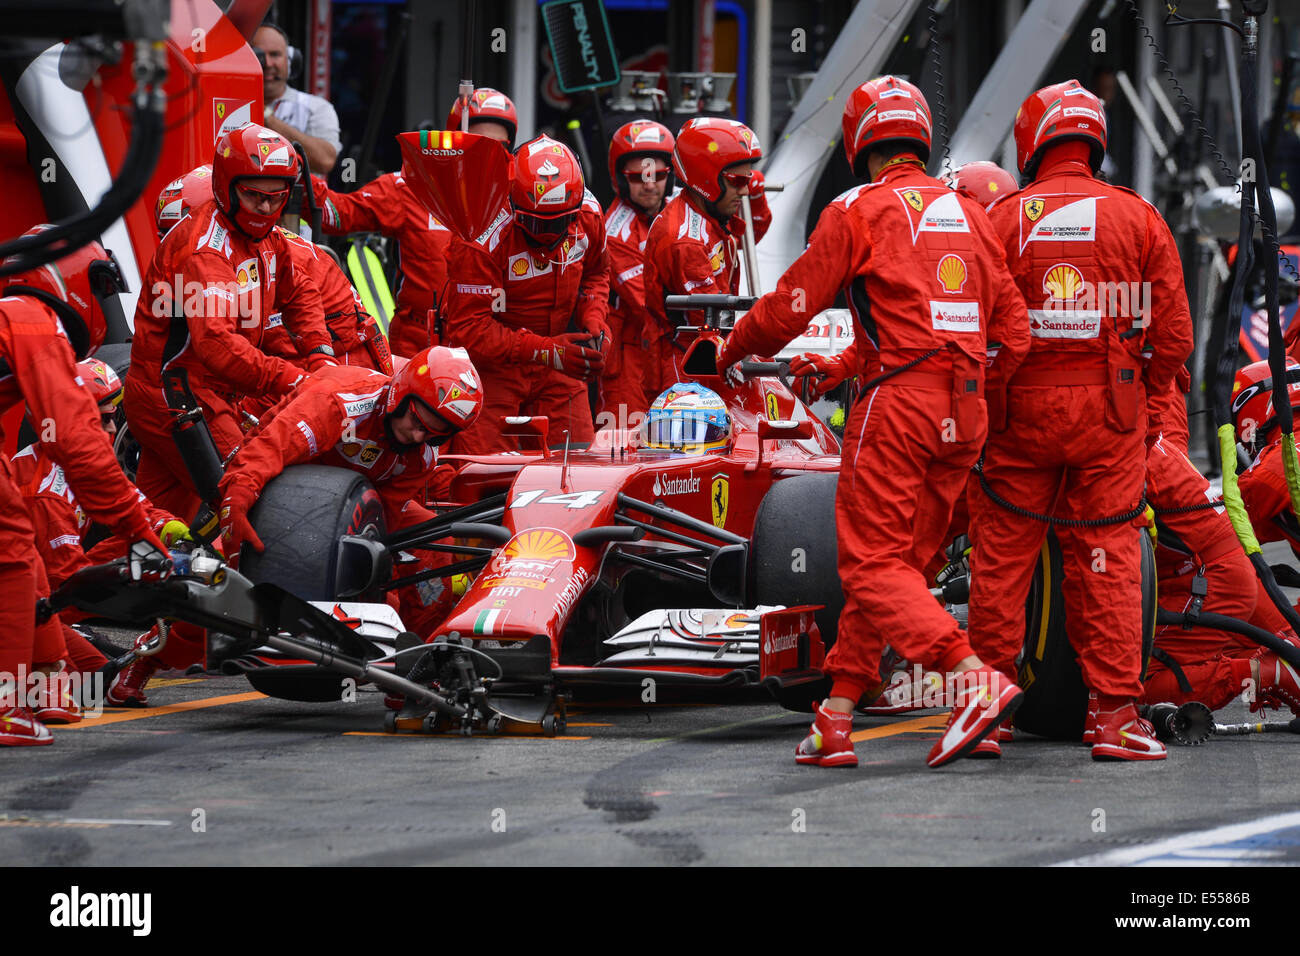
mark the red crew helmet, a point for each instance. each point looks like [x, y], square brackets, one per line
[639, 138]
[488, 105]
[180, 196]
[547, 190]
[1253, 413]
[104, 385]
[1054, 114]
[444, 389]
[708, 145]
[73, 286]
[252, 152]
[880, 111]
[982, 181]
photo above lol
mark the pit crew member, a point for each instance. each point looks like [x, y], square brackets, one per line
[530, 298]
[930, 295]
[1073, 441]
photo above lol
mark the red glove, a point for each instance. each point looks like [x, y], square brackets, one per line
[756, 183]
[317, 359]
[289, 379]
[600, 336]
[570, 355]
[728, 364]
[235, 529]
[827, 371]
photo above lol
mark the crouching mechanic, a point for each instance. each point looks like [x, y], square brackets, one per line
[50, 317]
[930, 294]
[220, 280]
[385, 428]
[530, 298]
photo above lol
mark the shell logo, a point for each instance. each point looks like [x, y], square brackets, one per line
[520, 267]
[542, 544]
[952, 273]
[1063, 282]
[713, 147]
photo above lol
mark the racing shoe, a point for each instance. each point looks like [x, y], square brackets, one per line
[1279, 685]
[127, 689]
[20, 728]
[1121, 734]
[983, 698]
[990, 748]
[56, 703]
[828, 743]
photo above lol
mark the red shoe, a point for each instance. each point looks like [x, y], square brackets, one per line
[56, 703]
[990, 748]
[828, 743]
[1279, 684]
[1122, 735]
[127, 689]
[984, 697]
[20, 728]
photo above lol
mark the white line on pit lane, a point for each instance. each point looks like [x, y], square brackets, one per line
[1203, 847]
[121, 823]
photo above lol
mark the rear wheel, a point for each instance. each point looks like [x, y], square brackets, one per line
[300, 517]
[1056, 698]
[794, 557]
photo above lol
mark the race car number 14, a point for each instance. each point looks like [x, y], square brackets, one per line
[573, 499]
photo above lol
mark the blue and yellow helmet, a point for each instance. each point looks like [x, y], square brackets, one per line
[688, 419]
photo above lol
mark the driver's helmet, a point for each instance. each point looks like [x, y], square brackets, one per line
[688, 419]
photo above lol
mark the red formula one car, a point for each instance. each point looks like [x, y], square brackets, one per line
[606, 564]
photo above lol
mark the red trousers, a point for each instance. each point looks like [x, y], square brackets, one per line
[899, 479]
[162, 474]
[22, 581]
[1058, 455]
[527, 390]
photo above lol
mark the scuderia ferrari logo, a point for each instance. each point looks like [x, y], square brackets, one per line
[1033, 209]
[719, 499]
[914, 199]
[773, 409]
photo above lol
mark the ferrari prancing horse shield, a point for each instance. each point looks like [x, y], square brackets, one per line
[720, 498]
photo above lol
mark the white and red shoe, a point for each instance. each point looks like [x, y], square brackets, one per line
[1279, 685]
[990, 748]
[828, 743]
[56, 705]
[1090, 720]
[1121, 734]
[20, 728]
[984, 698]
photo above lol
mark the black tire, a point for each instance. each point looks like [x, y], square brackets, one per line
[1056, 698]
[300, 517]
[793, 555]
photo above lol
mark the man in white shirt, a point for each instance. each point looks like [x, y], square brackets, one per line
[295, 115]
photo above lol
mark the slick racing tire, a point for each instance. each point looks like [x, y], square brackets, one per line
[300, 517]
[794, 555]
[1056, 698]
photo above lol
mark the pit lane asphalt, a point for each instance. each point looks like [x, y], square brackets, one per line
[274, 782]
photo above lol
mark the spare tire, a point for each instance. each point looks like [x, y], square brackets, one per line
[794, 554]
[1056, 698]
[300, 517]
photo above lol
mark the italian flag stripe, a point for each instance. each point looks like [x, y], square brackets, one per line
[486, 621]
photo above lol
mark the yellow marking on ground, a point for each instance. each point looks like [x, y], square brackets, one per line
[453, 736]
[917, 725]
[121, 716]
[52, 824]
[574, 724]
[173, 682]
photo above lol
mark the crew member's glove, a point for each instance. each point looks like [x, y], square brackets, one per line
[826, 371]
[289, 379]
[235, 529]
[570, 355]
[173, 532]
[147, 559]
[729, 359]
